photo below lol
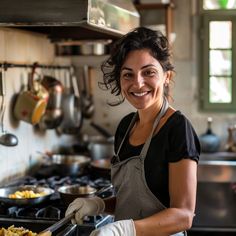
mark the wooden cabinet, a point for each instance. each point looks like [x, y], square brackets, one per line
[168, 10]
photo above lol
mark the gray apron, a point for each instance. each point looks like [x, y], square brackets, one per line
[134, 199]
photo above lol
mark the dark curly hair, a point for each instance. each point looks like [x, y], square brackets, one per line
[139, 38]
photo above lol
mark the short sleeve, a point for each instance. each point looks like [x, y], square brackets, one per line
[183, 141]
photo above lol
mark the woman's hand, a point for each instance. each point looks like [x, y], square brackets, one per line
[118, 228]
[85, 207]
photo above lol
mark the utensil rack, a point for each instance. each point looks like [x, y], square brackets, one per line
[7, 65]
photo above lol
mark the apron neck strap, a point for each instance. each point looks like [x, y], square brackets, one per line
[126, 133]
[143, 153]
[162, 112]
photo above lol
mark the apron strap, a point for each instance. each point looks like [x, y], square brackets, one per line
[143, 153]
[162, 112]
[126, 133]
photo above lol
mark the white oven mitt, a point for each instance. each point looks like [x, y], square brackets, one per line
[85, 207]
[118, 228]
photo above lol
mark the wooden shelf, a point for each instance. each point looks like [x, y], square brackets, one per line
[150, 6]
[168, 8]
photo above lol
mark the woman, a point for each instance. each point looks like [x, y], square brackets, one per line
[157, 150]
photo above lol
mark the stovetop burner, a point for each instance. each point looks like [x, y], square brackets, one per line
[41, 216]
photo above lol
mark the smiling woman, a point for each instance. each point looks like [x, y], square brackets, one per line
[154, 167]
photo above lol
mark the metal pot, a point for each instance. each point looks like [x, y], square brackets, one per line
[100, 148]
[72, 165]
[91, 48]
[53, 115]
[51, 119]
[5, 191]
[101, 168]
[101, 164]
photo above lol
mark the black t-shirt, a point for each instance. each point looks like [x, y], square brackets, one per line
[175, 140]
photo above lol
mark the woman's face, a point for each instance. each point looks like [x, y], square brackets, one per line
[142, 79]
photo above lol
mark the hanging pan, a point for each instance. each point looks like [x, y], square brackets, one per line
[71, 108]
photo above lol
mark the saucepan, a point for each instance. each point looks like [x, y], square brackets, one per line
[53, 115]
[37, 195]
[101, 167]
[31, 105]
[101, 147]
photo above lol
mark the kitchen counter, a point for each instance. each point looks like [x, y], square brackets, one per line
[212, 233]
[216, 195]
[217, 167]
[220, 156]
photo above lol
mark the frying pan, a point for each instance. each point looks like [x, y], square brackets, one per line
[71, 108]
[101, 164]
[101, 167]
[66, 164]
[5, 191]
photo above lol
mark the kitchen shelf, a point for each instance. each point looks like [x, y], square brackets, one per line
[167, 7]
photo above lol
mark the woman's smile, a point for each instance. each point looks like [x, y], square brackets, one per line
[140, 94]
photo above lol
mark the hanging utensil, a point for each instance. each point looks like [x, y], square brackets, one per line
[71, 107]
[6, 139]
[31, 105]
[102, 131]
[53, 115]
[87, 98]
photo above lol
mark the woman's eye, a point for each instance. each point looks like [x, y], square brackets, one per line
[149, 73]
[127, 75]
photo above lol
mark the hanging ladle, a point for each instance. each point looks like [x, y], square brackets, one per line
[6, 139]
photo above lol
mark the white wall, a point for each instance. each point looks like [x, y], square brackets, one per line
[23, 47]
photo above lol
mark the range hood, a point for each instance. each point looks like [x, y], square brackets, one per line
[71, 19]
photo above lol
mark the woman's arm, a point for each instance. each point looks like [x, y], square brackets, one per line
[177, 218]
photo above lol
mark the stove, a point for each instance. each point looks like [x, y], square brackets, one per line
[39, 217]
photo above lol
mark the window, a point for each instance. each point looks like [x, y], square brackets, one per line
[218, 55]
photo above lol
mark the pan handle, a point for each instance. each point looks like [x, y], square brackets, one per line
[101, 130]
[104, 189]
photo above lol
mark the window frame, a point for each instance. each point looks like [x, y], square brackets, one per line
[206, 17]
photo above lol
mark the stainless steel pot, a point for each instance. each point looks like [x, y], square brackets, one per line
[53, 115]
[5, 191]
[100, 148]
[91, 48]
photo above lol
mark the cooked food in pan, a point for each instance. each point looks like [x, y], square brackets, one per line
[16, 231]
[26, 194]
